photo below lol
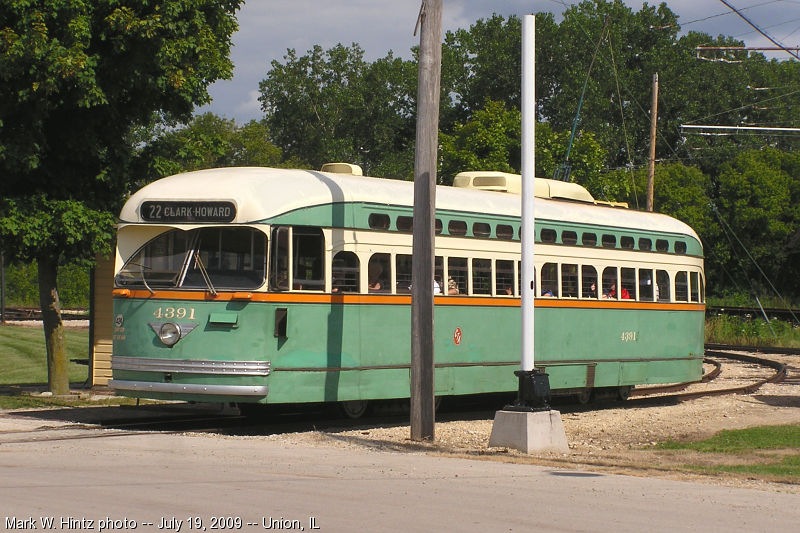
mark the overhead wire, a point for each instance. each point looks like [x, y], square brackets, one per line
[765, 34]
[624, 127]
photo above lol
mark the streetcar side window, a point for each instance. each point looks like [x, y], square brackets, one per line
[681, 287]
[588, 282]
[345, 273]
[569, 237]
[378, 221]
[662, 286]
[569, 281]
[405, 224]
[456, 276]
[378, 273]
[308, 253]
[609, 241]
[702, 290]
[279, 261]
[610, 288]
[589, 239]
[662, 245]
[548, 235]
[646, 292]
[694, 278]
[402, 270]
[628, 290]
[550, 279]
[438, 275]
[626, 242]
[680, 247]
[645, 244]
[481, 229]
[504, 232]
[457, 228]
[481, 276]
[504, 278]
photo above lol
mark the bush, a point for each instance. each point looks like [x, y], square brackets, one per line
[725, 329]
[22, 286]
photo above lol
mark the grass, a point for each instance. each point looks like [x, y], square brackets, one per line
[744, 440]
[23, 358]
[768, 452]
[26, 401]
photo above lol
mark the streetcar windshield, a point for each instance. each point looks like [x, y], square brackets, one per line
[203, 258]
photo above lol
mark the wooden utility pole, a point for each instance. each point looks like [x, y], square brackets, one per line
[422, 268]
[653, 121]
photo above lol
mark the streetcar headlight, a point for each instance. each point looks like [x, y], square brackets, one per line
[169, 333]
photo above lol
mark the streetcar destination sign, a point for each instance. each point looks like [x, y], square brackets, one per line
[172, 211]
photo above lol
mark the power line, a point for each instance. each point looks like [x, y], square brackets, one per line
[773, 41]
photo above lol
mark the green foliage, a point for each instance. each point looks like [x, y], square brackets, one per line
[479, 65]
[334, 106]
[208, 141]
[22, 289]
[75, 79]
[738, 331]
[490, 140]
[37, 226]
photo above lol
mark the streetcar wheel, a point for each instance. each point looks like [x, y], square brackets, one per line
[623, 393]
[354, 408]
[584, 397]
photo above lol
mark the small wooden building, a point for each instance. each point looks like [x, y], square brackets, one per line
[101, 322]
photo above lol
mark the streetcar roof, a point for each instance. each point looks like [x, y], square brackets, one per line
[260, 193]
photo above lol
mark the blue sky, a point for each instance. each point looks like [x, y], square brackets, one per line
[267, 28]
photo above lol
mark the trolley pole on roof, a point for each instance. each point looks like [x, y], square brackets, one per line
[529, 424]
[422, 266]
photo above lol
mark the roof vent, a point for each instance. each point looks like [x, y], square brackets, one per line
[342, 168]
[512, 184]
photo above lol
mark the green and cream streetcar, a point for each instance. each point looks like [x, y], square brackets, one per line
[288, 286]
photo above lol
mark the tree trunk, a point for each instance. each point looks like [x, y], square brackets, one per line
[57, 364]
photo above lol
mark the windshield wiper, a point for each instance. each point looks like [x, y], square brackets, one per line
[204, 273]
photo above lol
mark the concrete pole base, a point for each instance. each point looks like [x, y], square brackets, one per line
[529, 431]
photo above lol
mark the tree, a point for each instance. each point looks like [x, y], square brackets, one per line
[758, 206]
[335, 106]
[480, 64]
[490, 140]
[76, 79]
[208, 141]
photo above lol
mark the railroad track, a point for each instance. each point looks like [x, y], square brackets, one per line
[286, 419]
[783, 372]
[755, 312]
[30, 313]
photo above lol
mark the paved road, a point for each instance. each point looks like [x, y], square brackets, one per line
[150, 482]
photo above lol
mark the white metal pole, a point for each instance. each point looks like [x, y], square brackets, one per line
[528, 172]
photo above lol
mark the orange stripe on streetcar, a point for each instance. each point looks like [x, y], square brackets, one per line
[391, 299]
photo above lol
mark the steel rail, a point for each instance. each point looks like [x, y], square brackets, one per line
[648, 394]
